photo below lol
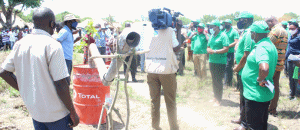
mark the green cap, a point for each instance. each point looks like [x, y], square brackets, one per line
[260, 27]
[292, 20]
[227, 21]
[198, 21]
[216, 23]
[201, 25]
[284, 23]
[244, 14]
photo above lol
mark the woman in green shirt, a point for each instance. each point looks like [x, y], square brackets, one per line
[217, 48]
[257, 73]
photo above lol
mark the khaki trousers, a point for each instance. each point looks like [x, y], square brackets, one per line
[200, 65]
[169, 84]
[190, 54]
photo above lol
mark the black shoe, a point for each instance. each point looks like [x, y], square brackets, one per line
[292, 98]
[134, 80]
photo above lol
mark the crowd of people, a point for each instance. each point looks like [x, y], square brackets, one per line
[257, 55]
[8, 37]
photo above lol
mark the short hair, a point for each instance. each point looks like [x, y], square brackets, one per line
[295, 24]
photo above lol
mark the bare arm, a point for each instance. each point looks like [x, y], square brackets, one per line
[263, 71]
[223, 50]
[234, 43]
[62, 89]
[10, 78]
[242, 62]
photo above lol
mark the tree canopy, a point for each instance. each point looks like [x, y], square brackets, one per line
[10, 13]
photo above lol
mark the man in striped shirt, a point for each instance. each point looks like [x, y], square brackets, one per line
[5, 39]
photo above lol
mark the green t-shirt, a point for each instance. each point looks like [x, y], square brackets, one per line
[232, 35]
[245, 44]
[199, 44]
[217, 43]
[264, 52]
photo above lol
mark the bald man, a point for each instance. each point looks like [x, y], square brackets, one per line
[279, 37]
[41, 75]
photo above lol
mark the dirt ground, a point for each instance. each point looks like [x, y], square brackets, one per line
[195, 112]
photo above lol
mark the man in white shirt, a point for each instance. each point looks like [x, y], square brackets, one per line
[12, 38]
[161, 66]
[41, 75]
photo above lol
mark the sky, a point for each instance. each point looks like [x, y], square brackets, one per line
[193, 9]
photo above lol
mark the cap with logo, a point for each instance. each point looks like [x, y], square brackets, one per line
[260, 27]
[244, 14]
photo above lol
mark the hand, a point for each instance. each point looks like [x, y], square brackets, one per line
[210, 52]
[235, 69]
[78, 38]
[75, 119]
[263, 83]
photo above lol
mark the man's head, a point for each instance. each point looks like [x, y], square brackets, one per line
[59, 26]
[259, 30]
[71, 21]
[215, 27]
[44, 18]
[227, 24]
[284, 24]
[294, 28]
[271, 21]
[200, 27]
[244, 20]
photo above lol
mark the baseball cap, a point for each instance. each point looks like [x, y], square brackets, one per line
[227, 21]
[284, 23]
[260, 27]
[244, 14]
[201, 25]
[216, 23]
[292, 21]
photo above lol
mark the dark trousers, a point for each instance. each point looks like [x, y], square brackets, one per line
[180, 58]
[229, 71]
[62, 124]
[242, 100]
[217, 73]
[183, 58]
[293, 82]
[133, 66]
[102, 51]
[69, 66]
[256, 114]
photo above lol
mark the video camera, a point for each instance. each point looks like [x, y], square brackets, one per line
[163, 18]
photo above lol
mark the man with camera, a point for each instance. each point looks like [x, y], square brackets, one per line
[161, 66]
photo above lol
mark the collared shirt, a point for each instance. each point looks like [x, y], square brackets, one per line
[245, 44]
[38, 61]
[232, 35]
[5, 37]
[216, 43]
[279, 37]
[100, 40]
[12, 36]
[65, 37]
[199, 44]
[264, 52]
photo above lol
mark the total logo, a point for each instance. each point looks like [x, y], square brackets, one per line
[87, 96]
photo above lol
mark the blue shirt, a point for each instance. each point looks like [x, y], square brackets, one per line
[293, 45]
[100, 42]
[65, 37]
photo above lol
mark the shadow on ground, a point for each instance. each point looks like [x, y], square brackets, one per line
[228, 103]
[117, 126]
[272, 127]
[289, 114]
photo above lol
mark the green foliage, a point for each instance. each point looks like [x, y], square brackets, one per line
[208, 18]
[257, 18]
[27, 18]
[110, 19]
[185, 20]
[85, 18]
[60, 17]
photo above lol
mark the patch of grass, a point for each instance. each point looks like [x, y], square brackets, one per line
[3, 101]
[13, 92]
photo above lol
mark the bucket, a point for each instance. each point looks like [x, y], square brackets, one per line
[89, 94]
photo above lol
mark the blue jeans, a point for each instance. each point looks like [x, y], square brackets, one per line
[102, 51]
[228, 69]
[142, 62]
[62, 124]
[12, 44]
[69, 66]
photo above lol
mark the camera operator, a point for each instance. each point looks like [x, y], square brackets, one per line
[161, 66]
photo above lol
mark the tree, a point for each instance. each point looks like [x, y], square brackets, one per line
[257, 18]
[185, 20]
[288, 16]
[208, 18]
[10, 13]
[123, 24]
[110, 19]
[60, 17]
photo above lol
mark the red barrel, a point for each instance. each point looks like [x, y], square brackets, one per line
[89, 94]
